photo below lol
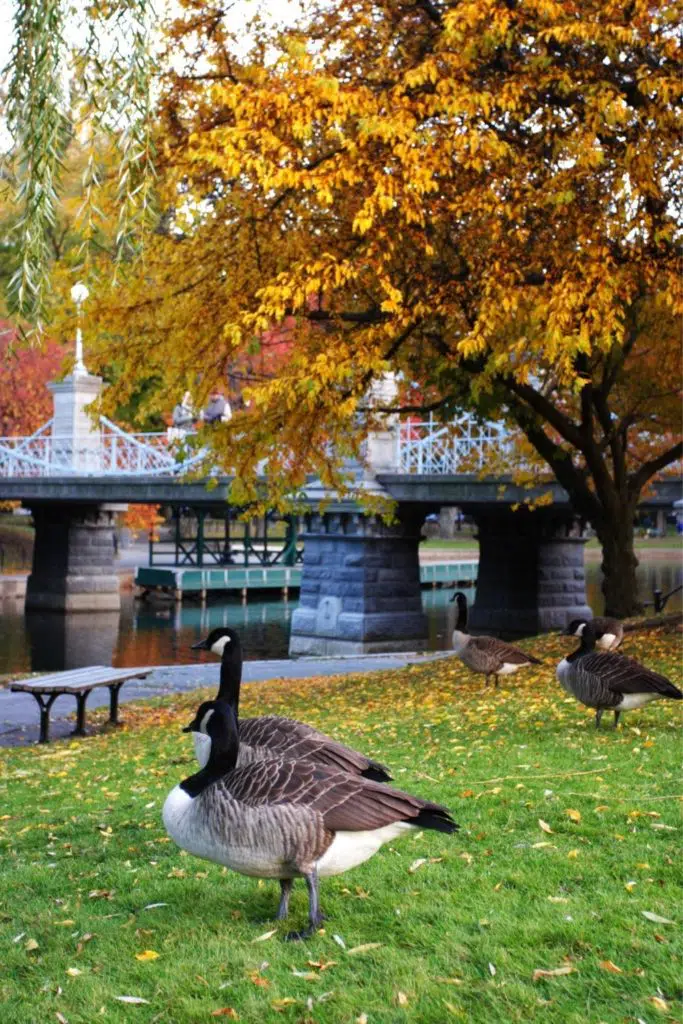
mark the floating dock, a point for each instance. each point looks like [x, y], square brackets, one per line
[179, 581]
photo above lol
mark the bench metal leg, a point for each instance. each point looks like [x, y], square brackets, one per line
[80, 713]
[45, 703]
[114, 703]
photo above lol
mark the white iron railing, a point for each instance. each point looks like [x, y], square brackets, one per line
[460, 446]
[109, 452]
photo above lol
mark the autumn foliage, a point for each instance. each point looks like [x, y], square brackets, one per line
[25, 402]
[482, 196]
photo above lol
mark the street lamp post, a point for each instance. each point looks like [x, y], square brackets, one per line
[79, 293]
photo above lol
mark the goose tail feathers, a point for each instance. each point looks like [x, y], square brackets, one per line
[377, 772]
[435, 817]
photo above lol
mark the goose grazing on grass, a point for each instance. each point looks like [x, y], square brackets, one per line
[486, 654]
[608, 632]
[286, 819]
[273, 735]
[611, 682]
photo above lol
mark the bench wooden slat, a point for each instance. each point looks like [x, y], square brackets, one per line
[78, 680]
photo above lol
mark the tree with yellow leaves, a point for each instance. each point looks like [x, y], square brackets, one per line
[480, 194]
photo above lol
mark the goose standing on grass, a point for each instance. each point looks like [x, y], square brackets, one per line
[608, 632]
[286, 819]
[273, 735]
[486, 654]
[610, 682]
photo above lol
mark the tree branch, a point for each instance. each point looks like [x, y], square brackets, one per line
[638, 479]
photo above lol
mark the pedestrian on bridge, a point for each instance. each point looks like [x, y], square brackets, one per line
[218, 409]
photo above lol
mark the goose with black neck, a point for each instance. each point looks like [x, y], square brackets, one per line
[270, 735]
[286, 819]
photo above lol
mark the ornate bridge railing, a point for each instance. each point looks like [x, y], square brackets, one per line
[461, 446]
[109, 452]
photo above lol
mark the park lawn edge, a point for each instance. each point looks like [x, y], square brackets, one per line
[568, 838]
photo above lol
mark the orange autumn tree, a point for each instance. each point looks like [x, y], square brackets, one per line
[483, 194]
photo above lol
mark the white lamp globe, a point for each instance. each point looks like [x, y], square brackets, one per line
[79, 293]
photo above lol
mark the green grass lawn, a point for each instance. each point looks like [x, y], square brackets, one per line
[672, 542]
[568, 836]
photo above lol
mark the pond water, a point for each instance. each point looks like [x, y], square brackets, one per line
[146, 633]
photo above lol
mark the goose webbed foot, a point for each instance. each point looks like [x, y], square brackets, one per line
[285, 893]
[315, 915]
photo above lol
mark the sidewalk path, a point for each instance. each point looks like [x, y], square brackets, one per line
[19, 711]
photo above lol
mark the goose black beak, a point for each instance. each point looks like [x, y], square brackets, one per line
[201, 645]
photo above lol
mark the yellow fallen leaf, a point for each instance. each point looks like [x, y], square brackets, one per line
[362, 1019]
[556, 972]
[539, 846]
[630, 886]
[30, 945]
[607, 965]
[364, 948]
[574, 815]
[279, 1004]
[454, 1009]
[265, 936]
[63, 924]
[573, 854]
[545, 826]
[558, 899]
[401, 999]
[147, 954]
[417, 864]
[225, 1011]
[73, 971]
[660, 1004]
[656, 918]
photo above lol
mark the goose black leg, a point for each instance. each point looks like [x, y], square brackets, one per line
[285, 892]
[497, 680]
[598, 716]
[616, 718]
[315, 918]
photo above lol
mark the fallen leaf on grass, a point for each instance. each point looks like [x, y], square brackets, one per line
[61, 1018]
[73, 971]
[340, 942]
[417, 864]
[64, 924]
[401, 999]
[225, 1011]
[492, 970]
[666, 828]
[558, 899]
[453, 1009]
[656, 917]
[280, 1004]
[574, 815]
[660, 1004]
[133, 1000]
[322, 965]
[364, 948]
[256, 978]
[307, 975]
[539, 846]
[573, 854]
[265, 936]
[545, 826]
[629, 886]
[30, 945]
[362, 1019]
[147, 954]
[608, 965]
[152, 906]
[555, 973]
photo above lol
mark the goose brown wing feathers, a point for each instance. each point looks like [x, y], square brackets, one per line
[345, 802]
[500, 651]
[621, 674]
[298, 740]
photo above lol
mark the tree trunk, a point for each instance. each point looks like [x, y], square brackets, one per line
[619, 565]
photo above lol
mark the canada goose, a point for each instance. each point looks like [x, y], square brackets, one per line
[273, 735]
[610, 681]
[609, 632]
[286, 819]
[486, 654]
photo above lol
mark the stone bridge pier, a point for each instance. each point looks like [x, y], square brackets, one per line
[531, 574]
[360, 587]
[73, 558]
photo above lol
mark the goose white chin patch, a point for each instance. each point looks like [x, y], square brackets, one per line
[202, 747]
[219, 646]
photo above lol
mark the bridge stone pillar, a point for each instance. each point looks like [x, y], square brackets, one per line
[531, 574]
[73, 559]
[360, 587]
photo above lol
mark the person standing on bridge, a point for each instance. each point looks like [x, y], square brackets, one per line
[218, 409]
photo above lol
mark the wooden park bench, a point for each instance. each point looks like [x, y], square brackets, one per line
[80, 682]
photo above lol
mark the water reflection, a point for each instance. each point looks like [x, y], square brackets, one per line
[148, 633]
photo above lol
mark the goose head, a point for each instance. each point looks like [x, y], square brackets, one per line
[461, 624]
[218, 640]
[575, 627]
[215, 733]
